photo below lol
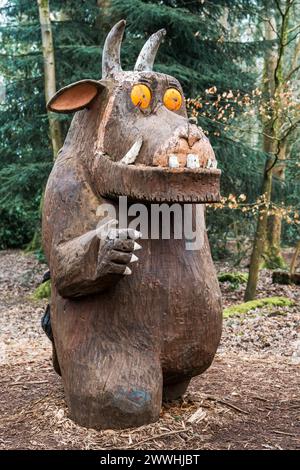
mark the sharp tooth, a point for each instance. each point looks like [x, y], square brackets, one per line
[173, 161]
[131, 155]
[133, 259]
[211, 163]
[127, 271]
[192, 161]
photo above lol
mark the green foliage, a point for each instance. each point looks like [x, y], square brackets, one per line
[25, 147]
[247, 307]
[16, 223]
[198, 50]
[274, 260]
[39, 254]
[234, 278]
[43, 291]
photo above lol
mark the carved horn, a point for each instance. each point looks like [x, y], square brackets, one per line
[147, 55]
[111, 63]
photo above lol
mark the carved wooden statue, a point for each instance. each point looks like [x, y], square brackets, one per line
[126, 335]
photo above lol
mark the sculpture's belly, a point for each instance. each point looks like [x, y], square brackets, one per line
[170, 306]
[191, 328]
[182, 293]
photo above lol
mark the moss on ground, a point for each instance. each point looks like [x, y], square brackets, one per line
[241, 278]
[273, 260]
[43, 291]
[246, 307]
[235, 278]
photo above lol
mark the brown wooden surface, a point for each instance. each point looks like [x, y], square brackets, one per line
[160, 324]
[120, 339]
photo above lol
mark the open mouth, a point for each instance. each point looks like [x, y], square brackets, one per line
[193, 161]
[140, 182]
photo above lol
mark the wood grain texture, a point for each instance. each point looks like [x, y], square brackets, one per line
[123, 341]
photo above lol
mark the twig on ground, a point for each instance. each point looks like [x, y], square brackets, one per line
[218, 400]
[33, 382]
[259, 398]
[284, 433]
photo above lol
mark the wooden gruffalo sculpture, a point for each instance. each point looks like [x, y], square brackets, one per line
[123, 342]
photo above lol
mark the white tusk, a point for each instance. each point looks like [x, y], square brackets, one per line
[132, 153]
[192, 161]
[133, 259]
[173, 161]
[136, 246]
[127, 271]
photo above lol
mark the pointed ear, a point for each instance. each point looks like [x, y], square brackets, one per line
[75, 96]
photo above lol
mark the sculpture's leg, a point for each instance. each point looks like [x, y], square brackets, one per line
[115, 389]
[175, 391]
[46, 325]
[55, 362]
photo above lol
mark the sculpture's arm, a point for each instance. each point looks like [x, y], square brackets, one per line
[80, 262]
[87, 264]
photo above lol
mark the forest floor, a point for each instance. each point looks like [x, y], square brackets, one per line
[248, 399]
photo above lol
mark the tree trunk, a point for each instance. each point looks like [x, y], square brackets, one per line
[274, 142]
[294, 259]
[103, 19]
[49, 72]
[269, 144]
[260, 235]
[273, 254]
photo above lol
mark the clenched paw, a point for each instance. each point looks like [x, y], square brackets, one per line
[118, 251]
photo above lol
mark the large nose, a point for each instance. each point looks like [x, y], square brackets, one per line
[191, 133]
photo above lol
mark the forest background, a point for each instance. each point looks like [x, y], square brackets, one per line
[239, 64]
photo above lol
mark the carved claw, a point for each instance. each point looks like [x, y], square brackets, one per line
[118, 251]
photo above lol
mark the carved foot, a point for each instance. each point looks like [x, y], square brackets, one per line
[124, 391]
[175, 391]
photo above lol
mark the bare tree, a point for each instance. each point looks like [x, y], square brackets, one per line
[278, 126]
[49, 72]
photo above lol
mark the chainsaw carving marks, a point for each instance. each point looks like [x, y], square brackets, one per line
[133, 319]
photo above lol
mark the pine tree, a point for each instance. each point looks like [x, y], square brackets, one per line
[25, 144]
[198, 50]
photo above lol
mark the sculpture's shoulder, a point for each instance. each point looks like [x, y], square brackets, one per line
[70, 204]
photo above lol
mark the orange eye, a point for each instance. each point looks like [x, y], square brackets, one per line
[141, 96]
[172, 99]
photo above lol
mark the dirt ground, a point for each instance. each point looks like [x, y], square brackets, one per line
[248, 399]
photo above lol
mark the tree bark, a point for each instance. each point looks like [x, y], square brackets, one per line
[103, 19]
[273, 254]
[273, 251]
[49, 72]
[260, 235]
[269, 143]
[274, 143]
[294, 259]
